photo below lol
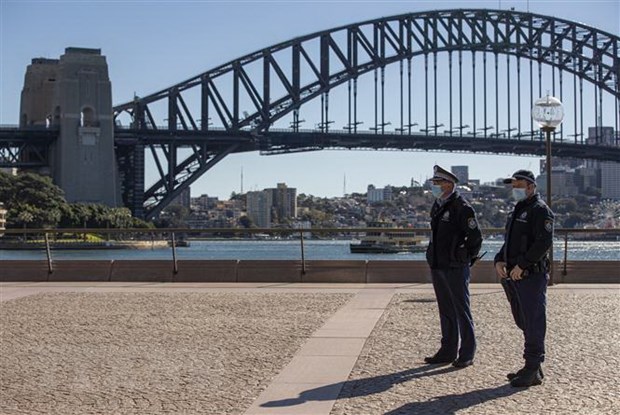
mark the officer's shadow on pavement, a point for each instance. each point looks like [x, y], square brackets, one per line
[447, 404]
[451, 404]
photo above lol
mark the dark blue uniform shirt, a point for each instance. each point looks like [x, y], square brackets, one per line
[456, 236]
[529, 233]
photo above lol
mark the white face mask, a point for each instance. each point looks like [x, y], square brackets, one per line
[436, 189]
[518, 194]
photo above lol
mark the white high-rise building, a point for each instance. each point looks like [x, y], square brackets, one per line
[602, 136]
[259, 207]
[610, 180]
[563, 182]
[375, 195]
[609, 171]
[462, 173]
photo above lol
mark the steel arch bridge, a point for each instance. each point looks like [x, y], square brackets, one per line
[439, 71]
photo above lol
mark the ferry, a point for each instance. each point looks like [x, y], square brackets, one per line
[389, 241]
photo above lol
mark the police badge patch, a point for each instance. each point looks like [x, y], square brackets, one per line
[548, 225]
[523, 215]
[471, 222]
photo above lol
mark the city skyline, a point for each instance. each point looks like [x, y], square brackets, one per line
[418, 182]
[130, 35]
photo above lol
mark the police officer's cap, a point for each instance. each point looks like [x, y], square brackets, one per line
[522, 175]
[443, 174]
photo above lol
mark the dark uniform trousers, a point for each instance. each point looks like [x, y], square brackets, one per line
[452, 291]
[455, 241]
[529, 236]
[528, 302]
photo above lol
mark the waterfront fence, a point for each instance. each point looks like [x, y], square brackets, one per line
[257, 270]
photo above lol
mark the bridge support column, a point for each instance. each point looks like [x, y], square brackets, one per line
[131, 172]
[74, 94]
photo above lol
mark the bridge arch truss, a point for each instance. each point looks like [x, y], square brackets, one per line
[494, 62]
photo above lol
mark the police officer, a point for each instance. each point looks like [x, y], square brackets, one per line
[454, 246]
[523, 266]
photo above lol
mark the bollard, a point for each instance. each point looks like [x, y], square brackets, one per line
[48, 251]
[174, 255]
[303, 259]
[565, 252]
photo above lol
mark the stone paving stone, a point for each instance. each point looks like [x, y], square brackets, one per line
[150, 353]
[330, 366]
[581, 368]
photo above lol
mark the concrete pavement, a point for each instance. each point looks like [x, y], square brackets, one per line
[224, 348]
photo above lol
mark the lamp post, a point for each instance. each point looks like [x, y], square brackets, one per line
[548, 112]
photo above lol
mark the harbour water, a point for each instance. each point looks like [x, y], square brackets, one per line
[291, 249]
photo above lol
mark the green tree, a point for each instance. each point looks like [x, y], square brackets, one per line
[78, 215]
[565, 206]
[174, 216]
[34, 194]
[119, 217]
[25, 218]
[238, 196]
[574, 219]
[246, 222]
[139, 223]
[592, 191]
[34, 201]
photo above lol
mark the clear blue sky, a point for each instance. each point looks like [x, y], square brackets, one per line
[151, 45]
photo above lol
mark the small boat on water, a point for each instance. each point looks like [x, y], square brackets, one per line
[181, 243]
[389, 241]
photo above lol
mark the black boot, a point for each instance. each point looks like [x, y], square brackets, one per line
[462, 363]
[439, 357]
[529, 377]
[511, 376]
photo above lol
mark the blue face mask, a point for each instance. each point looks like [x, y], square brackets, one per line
[436, 189]
[518, 194]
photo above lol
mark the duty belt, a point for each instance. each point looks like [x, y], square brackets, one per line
[539, 267]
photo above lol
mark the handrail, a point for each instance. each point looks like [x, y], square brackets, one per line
[485, 231]
[173, 232]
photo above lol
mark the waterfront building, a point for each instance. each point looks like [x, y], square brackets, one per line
[375, 195]
[610, 180]
[602, 135]
[259, 205]
[607, 173]
[573, 176]
[303, 224]
[461, 172]
[220, 214]
[204, 202]
[588, 177]
[202, 223]
[183, 199]
[284, 201]
[563, 182]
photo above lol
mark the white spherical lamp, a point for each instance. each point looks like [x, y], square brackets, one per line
[548, 112]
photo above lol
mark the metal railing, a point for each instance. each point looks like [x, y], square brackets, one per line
[171, 234]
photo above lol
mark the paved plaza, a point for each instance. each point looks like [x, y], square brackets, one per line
[319, 349]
